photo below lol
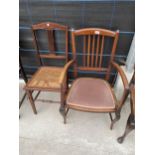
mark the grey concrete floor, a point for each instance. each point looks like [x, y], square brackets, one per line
[85, 133]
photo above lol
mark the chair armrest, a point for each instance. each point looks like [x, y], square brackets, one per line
[122, 75]
[64, 72]
[125, 84]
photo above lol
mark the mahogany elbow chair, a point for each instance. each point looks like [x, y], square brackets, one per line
[47, 78]
[94, 94]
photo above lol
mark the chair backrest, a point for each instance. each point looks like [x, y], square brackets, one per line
[93, 48]
[50, 28]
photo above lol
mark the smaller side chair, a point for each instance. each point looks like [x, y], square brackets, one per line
[47, 78]
[93, 94]
[131, 119]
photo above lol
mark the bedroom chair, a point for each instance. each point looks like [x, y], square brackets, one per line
[47, 78]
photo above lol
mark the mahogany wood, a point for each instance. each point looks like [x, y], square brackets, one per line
[93, 49]
[48, 78]
[50, 28]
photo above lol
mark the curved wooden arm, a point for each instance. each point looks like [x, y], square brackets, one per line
[65, 69]
[122, 75]
[125, 84]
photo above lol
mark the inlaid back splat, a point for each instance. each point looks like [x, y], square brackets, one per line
[51, 43]
[50, 28]
[93, 48]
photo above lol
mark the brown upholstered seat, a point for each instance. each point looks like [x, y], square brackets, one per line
[45, 78]
[91, 94]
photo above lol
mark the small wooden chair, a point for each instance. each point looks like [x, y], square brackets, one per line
[94, 94]
[47, 78]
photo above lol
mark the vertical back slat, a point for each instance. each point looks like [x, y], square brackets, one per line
[93, 50]
[97, 49]
[101, 51]
[84, 51]
[88, 55]
[66, 48]
[51, 45]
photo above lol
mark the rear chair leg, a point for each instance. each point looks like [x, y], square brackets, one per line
[62, 110]
[37, 95]
[20, 103]
[62, 100]
[110, 117]
[113, 121]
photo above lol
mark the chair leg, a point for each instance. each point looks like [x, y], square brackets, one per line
[37, 95]
[62, 104]
[113, 121]
[129, 127]
[31, 101]
[20, 103]
[62, 110]
[110, 117]
[65, 114]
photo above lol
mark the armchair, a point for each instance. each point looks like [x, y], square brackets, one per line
[93, 94]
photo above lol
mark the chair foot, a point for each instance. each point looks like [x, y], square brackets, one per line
[120, 140]
[113, 121]
[129, 127]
